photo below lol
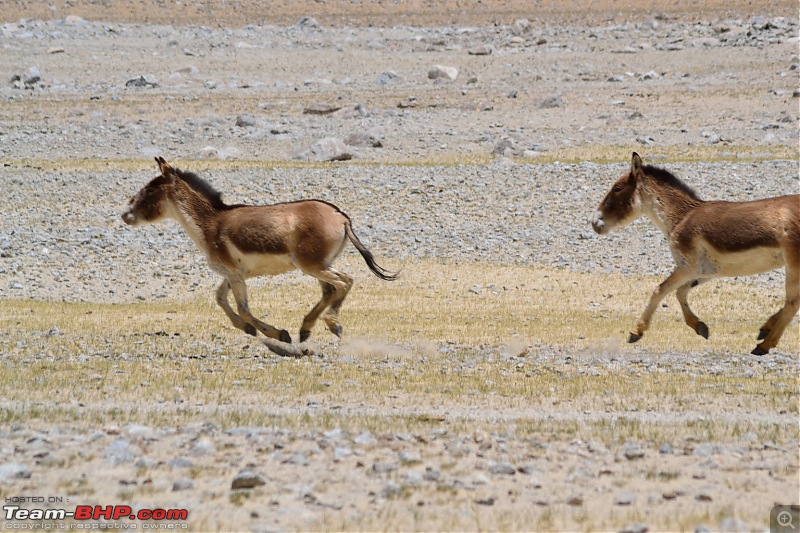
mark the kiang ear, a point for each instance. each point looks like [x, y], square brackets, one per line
[166, 170]
[636, 164]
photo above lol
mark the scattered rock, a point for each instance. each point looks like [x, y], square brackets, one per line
[625, 498]
[246, 121]
[121, 452]
[321, 109]
[733, 525]
[183, 483]
[635, 528]
[575, 500]
[439, 72]
[145, 81]
[14, 471]
[505, 469]
[327, 149]
[247, 479]
[364, 139]
[388, 77]
[632, 453]
[384, 468]
[480, 50]
[551, 102]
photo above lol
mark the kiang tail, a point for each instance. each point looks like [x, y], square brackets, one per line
[368, 257]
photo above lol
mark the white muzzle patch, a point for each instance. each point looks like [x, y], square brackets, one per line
[598, 223]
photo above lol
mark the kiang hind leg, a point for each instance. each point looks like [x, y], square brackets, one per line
[689, 317]
[331, 316]
[764, 330]
[240, 295]
[678, 278]
[341, 284]
[222, 300]
[328, 293]
[777, 323]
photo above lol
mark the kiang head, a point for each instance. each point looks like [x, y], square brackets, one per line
[150, 203]
[622, 204]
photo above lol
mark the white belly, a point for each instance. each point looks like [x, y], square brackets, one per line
[252, 265]
[744, 263]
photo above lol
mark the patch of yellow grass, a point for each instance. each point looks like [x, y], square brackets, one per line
[469, 338]
[569, 155]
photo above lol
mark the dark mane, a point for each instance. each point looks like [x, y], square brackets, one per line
[202, 187]
[668, 178]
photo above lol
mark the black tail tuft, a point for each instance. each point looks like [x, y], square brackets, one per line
[376, 269]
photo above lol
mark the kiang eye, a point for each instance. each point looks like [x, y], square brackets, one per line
[618, 188]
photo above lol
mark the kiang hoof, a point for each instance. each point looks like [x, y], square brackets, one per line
[633, 338]
[336, 329]
[758, 351]
[250, 330]
[304, 335]
[284, 336]
[762, 334]
[702, 329]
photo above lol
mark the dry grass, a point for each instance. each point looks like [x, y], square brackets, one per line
[569, 155]
[524, 341]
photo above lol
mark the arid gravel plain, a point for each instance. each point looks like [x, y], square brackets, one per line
[490, 387]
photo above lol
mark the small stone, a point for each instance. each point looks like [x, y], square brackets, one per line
[391, 490]
[327, 149]
[388, 77]
[246, 121]
[321, 109]
[182, 483]
[120, 452]
[409, 458]
[384, 468]
[431, 474]
[340, 452]
[635, 528]
[703, 450]
[203, 447]
[625, 498]
[14, 471]
[551, 102]
[480, 50]
[442, 72]
[575, 500]
[142, 81]
[247, 479]
[181, 462]
[749, 437]
[145, 461]
[632, 453]
[364, 438]
[733, 525]
[506, 469]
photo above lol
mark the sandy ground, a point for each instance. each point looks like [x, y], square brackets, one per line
[226, 90]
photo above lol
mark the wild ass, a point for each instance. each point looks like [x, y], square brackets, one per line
[709, 239]
[242, 241]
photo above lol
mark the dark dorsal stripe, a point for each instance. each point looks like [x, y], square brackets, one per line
[202, 187]
[668, 178]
